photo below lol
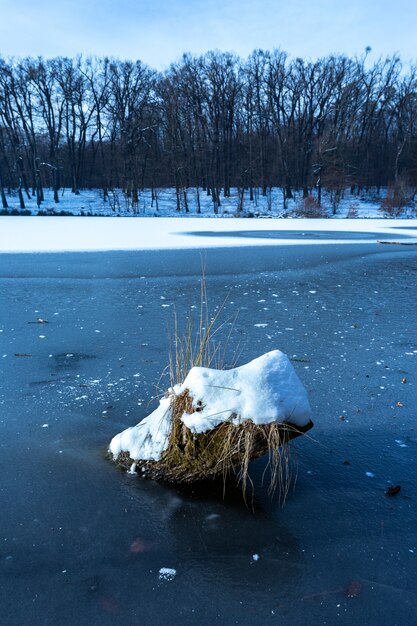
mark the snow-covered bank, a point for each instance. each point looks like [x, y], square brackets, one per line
[163, 203]
[52, 234]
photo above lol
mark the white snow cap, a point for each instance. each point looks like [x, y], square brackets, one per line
[264, 390]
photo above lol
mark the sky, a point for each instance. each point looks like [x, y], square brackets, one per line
[158, 32]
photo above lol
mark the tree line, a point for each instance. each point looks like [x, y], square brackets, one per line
[211, 122]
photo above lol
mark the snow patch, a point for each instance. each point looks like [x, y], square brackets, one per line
[167, 573]
[149, 438]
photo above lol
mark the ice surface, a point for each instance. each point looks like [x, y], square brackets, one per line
[83, 516]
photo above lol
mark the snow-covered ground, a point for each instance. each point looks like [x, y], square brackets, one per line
[86, 226]
[164, 203]
[26, 234]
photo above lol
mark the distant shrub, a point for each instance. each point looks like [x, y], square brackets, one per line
[352, 211]
[15, 212]
[399, 196]
[309, 207]
[53, 213]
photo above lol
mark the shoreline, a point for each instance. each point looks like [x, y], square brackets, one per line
[216, 261]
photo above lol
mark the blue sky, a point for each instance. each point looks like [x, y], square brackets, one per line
[158, 31]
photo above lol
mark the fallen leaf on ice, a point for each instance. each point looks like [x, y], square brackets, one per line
[139, 545]
[109, 604]
[354, 589]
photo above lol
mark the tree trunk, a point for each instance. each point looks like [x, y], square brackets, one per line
[198, 200]
[21, 200]
[3, 195]
[185, 200]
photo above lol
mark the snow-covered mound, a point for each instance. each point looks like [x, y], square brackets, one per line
[264, 390]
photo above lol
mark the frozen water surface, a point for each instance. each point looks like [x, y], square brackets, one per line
[84, 543]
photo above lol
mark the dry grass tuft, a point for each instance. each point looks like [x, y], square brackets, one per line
[203, 342]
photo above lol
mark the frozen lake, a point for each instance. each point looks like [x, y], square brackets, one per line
[83, 543]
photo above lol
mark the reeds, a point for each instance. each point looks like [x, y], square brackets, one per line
[201, 346]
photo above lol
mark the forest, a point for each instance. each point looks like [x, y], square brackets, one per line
[212, 122]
